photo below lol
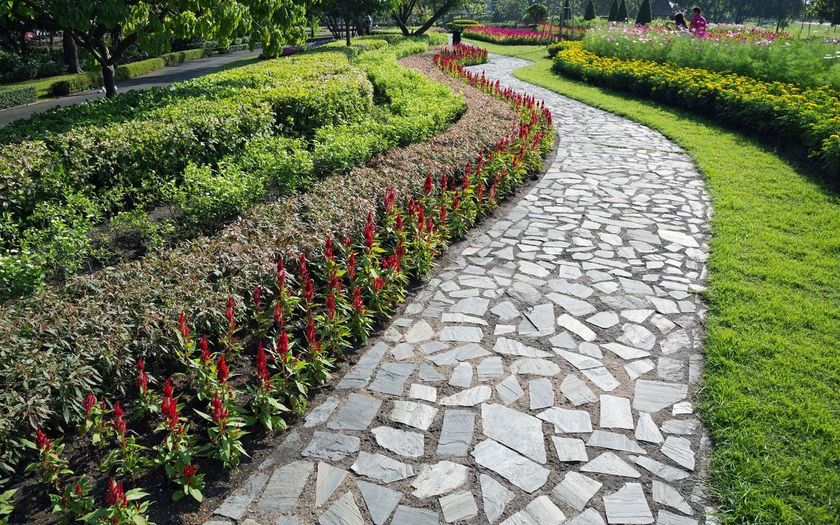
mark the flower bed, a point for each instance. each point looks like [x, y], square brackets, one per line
[59, 189]
[732, 49]
[508, 36]
[298, 317]
[809, 118]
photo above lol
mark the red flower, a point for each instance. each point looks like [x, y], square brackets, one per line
[443, 182]
[42, 442]
[351, 265]
[119, 422]
[205, 350]
[189, 473]
[219, 413]
[230, 315]
[399, 223]
[378, 284]
[308, 290]
[256, 295]
[89, 403]
[78, 489]
[140, 364]
[390, 198]
[222, 369]
[358, 305]
[283, 344]
[328, 249]
[429, 185]
[142, 380]
[347, 242]
[311, 337]
[303, 272]
[118, 410]
[331, 306]
[278, 313]
[167, 387]
[281, 274]
[115, 496]
[442, 213]
[370, 231]
[262, 366]
[182, 325]
[334, 284]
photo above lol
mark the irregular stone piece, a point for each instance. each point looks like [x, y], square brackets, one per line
[381, 467]
[679, 450]
[680, 426]
[471, 306]
[609, 463]
[521, 432]
[490, 368]
[538, 322]
[603, 319]
[669, 518]
[519, 470]
[653, 396]
[321, 413]
[462, 334]
[637, 336]
[576, 327]
[356, 414]
[541, 511]
[534, 366]
[592, 369]
[426, 393]
[567, 421]
[391, 377]
[428, 373]
[665, 494]
[419, 332]
[626, 352]
[456, 433]
[541, 393]
[495, 497]
[331, 447]
[611, 440]
[380, 501]
[576, 391]
[577, 489]
[662, 470]
[284, 487]
[236, 505]
[468, 398]
[628, 506]
[402, 352]
[588, 517]
[343, 512]
[440, 478]
[509, 390]
[408, 444]
[615, 412]
[413, 414]
[507, 346]
[570, 449]
[573, 306]
[646, 429]
[414, 516]
[458, 506]
[505, 310]
[360, 374]
[328, 479]
[462, 376]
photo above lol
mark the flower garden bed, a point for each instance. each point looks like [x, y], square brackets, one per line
[508, 36]
[349, 252]
[805, 117]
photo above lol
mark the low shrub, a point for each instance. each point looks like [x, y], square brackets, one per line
[459, 24]
[136, 69]
[35, 63]
[809, 118]
[179, 57]
[75, 84]
[11, 97]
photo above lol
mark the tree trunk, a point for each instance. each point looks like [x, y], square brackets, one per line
[71, 53]
[449, 4]
[109, 80]
[400, 23]
[347, 29]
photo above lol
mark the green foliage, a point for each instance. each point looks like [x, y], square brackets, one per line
[460, 23]
[135, 69]
[74, 84]
[644, 15]
[179, 57]
[11, 97]
[590, 11]
[621, 14]
[537, 13]
[613, 16]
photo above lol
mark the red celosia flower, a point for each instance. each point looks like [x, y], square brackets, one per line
[390, 197]
[399, 222]
[283, 344]
[308, 290]
[378, 284]
[429, 185]
[281, 274]
[479, 191]
[189, 473]
[370, 231]
[218, 413]
[331, 306]
[400, 251]
[222, 369]
[115, 496]
[358, 305]
[182, 325]
[443, 182]
[167, 387]
[278, 313]
[119, 421]
[311, 337]
[42, 442]
[328, 249]
[205, 350]
[256, 295]
[230, 315]
[142, 379]
[442, 213]
[89, 403]
[78, 489]
[347, 242]
[351, 265]
[303, 271]
[262, 366]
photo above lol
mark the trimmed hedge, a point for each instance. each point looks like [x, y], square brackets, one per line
[17, 97]
[135, 69]
[75, 84]
[179, 57]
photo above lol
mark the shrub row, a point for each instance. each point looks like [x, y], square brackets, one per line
[179, 57]
[17, 97]
[507, 36]
[75, 84]
[809, 118]
[135, 69]
[58, 345]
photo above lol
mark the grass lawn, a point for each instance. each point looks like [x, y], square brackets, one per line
[41, 85]
[772, 377]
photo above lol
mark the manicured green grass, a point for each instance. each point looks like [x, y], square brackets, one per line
[770, 389]
[41, 85]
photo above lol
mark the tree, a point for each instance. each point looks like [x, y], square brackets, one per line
[645, 16]
[71, 53]
[508, 10]
[590, 11]
[537, 13]
[402, 11]
[351, 12]
[107, 28]
[827, 10]
[567, 11]
[622, 12]
[613, 16]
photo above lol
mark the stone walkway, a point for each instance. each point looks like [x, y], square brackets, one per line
[547, 375]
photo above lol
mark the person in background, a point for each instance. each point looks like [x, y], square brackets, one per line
[679, 20]
[698, 22]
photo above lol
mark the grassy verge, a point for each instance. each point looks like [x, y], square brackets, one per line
[773, 349]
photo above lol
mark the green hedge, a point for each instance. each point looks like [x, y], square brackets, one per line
[17, 97]
[179, 57]
[75, 84]
[135, 69]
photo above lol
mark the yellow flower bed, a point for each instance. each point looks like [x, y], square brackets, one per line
[806, 117]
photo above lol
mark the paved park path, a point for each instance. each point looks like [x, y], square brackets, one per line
[161, 77]
[547, 375]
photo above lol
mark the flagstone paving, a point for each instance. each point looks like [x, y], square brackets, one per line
[546, 375]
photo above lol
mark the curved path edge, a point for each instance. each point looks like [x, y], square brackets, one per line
[547, 374]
